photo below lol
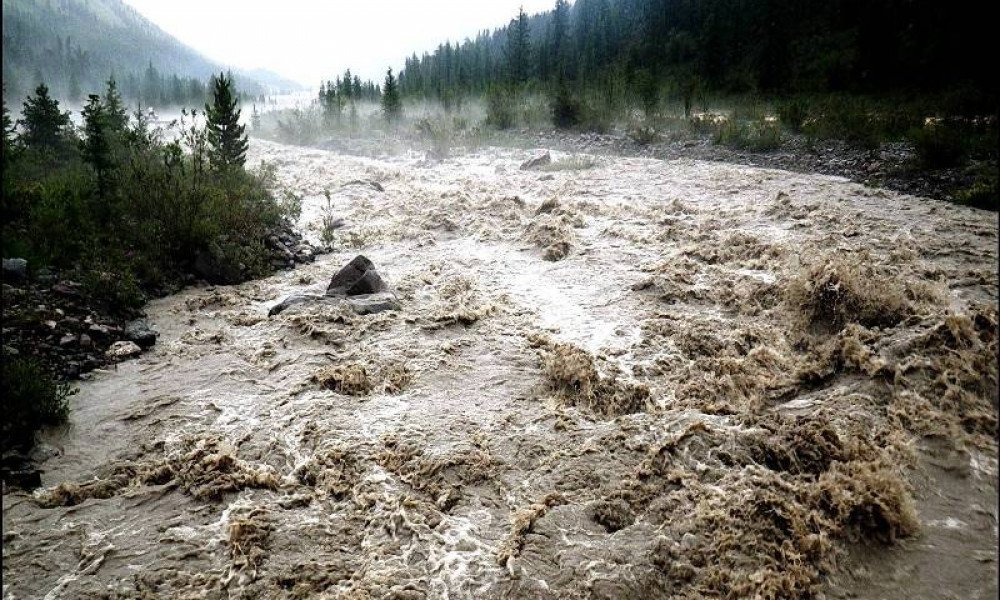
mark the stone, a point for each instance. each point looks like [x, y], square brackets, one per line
[15, 269]
[356, 277]
[537, 161]
[85, 341]
[67, 340]
[297, 300]
[370, 283]
[124, 349]
[141, 333]
[372, 304]
[67, 288]
[368, 304]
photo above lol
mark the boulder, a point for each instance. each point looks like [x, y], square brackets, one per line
[372, 304]
[15, 269]
[537, 161]
[357, 283]
[356, 278]
[368, 304]
[141, 333]
[124, 349]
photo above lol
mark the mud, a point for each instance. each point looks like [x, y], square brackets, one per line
[735, 382]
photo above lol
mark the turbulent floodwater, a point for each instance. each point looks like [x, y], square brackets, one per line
[640, 379]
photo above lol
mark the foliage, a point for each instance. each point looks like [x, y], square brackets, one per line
[938, 146]
[45, 128]
[793, 113]
[125, 212]
[565, 109]
[392, 106]
[227, 138]
[500, 102]
[984, 193]
[755, 136]
[31, 399]
[719, 47]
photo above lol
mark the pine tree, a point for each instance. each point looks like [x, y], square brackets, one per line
[255, 120]
[95, 147]
[518, 48]
[227, 139]
[557, 43]
[45, 127]
[114, 108]
[392, 106]
[8, 134]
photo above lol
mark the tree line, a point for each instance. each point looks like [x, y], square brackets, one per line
[642, 48]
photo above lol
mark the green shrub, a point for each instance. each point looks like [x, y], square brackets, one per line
[31, 399]
[756, 136]
[565, 110]
[793, 113]
[982, 194]
[500, 107]
[847, 119]
[938, 146]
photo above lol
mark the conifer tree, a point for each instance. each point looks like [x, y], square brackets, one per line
[8, 135]
[95, 146]
[392, 106]
[227, 139]
[255, 119]
[114, 108]
[518, 48]
[44, 126]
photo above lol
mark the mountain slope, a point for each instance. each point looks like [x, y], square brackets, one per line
[74, 45]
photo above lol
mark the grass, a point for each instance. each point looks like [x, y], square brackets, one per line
[32, 398]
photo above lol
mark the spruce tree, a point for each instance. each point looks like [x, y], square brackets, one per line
[518, 48]
[392, 106]
[227, 139]
[8, 134]
[44, 126]
[95, 147]
[114, 108]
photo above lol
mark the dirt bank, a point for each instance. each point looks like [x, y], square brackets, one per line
[728, 382]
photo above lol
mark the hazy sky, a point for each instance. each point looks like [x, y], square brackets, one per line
[311, 40]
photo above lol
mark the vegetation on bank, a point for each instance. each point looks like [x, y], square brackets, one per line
[126, 210]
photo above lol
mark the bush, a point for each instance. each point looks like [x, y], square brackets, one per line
[643, 135]
[938, 146]
[500, 107]
[982, 194]
[756, 136]
[31, 399]
[793, 113]
[847, 119]
[565, 110]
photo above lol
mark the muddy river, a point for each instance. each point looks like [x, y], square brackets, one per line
[609, 378]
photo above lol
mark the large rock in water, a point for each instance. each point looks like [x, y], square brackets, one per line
[356, 278]
[141, 333]
[357, 284]
[537, 161]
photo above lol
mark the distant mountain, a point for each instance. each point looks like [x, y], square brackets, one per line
[74, 45]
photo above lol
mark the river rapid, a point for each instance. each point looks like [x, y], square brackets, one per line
[611, 378]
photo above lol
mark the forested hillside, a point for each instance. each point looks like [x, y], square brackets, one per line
[75, 45]
[650, 46]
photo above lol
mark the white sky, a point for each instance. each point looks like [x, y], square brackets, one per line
[314, 40]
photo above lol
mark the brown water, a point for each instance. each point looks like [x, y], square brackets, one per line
[459, 468]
